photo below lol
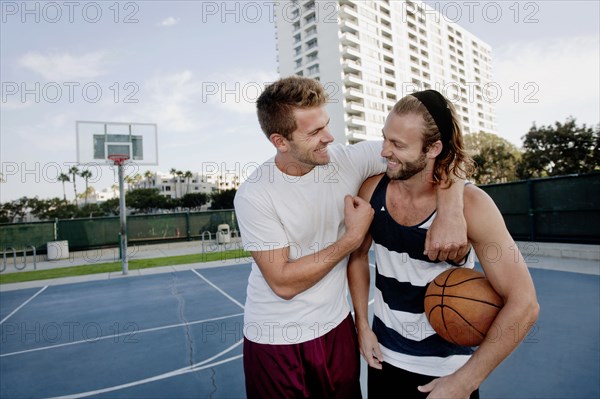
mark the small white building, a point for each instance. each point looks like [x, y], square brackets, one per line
[104, 195]
[175, 186]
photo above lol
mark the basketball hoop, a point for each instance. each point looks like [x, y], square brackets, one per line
[118, 159]
[116, 143]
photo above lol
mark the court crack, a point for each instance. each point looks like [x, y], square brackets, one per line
[177, 293]
[213, 381]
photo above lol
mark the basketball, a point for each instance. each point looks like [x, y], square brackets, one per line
[461, 305]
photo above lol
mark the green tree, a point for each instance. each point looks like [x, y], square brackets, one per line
[15, 211]
[110, 206]
[222, 199]
[145, 200]
[91, 211]
[495, 157]
[4, 215]
[194, 201]
[172, 204]
[53, 208]
[562, 149]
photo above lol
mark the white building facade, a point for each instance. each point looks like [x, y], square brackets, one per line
[368, 54]
[175, 186]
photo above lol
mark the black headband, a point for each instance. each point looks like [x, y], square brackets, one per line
[439, 110]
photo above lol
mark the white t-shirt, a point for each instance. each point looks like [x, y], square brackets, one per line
[306, 213]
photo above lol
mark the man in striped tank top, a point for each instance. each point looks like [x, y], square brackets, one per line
[422, 144]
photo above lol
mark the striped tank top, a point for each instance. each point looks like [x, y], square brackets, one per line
[402, 275]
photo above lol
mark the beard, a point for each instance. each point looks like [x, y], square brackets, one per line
[408, 169]
[309, 156]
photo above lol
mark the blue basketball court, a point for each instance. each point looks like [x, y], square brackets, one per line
[179, 335]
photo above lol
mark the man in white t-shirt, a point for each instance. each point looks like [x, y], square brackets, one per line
[300, 218]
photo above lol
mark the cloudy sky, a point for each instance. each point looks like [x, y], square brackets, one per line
[195, 68]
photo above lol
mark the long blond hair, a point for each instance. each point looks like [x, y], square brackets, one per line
[453, 161]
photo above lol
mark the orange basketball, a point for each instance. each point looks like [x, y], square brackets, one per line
[461, 305]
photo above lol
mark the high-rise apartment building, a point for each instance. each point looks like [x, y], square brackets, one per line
[368, 54]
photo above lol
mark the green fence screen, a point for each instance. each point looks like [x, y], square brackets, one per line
[559, 209]
[21, 236]
[104, 231]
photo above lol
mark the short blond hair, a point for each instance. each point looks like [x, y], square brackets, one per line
[275, 106]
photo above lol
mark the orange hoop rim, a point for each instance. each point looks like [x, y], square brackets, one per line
[118, 159]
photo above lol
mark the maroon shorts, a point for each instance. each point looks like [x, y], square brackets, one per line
[325, 367]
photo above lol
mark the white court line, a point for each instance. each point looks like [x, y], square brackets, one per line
[218, 289]
[24, 303]
[189, 369]
[115, 336]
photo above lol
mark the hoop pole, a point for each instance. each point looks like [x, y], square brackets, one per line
[123, 218]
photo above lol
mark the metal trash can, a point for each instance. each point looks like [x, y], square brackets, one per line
[223, 234]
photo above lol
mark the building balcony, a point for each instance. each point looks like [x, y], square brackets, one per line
[353, 94]
[387, 52]
[354, 108]
[356, 135]
[388, 65]
[351, 66]
[348, 10]
[355, 122]
[352, 80]
[389, 74]
[349, 38]
[349, 26]
[350, 53]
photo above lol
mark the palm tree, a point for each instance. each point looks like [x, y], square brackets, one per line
[179, 176]
[148, 175]
[88, 191]
[86, 174]
[137, 178]
[188, 175]
[115, 189]
[63, 177]
[173, 173]
[129, 180]
[74, 171]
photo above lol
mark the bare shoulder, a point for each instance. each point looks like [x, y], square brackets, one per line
[476, 197]
[484, 220]
[368, 187]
